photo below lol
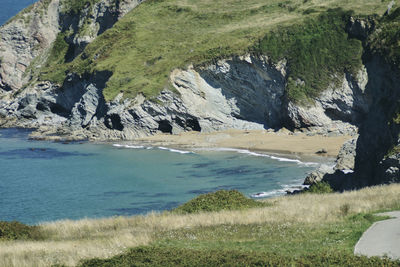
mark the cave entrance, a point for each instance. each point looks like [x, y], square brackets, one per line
[165, 126]
[114, 122]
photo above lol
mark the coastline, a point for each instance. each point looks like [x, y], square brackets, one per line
[284, 142]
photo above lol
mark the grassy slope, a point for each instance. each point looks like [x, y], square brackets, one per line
[161, 35]
[309, 227]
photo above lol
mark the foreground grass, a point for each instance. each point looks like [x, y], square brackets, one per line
[161, 35]
[158, 256]
[316, 224]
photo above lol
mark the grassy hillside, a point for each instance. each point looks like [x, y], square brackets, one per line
[160, 35]
[302, 229]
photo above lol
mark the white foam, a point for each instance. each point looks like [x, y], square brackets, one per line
[284, 189]
[150, 147]
[267, 194]
[347, 171]
[128, 146]
[175, 150]
[248, 152]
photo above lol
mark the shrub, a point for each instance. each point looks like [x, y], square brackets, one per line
[220, 200]
[16, 230]
[320, 188]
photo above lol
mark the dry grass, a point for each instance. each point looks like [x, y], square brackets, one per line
[70, 241]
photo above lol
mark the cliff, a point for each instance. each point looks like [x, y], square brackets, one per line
[114, 69]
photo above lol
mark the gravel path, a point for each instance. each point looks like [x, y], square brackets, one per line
[382, 238]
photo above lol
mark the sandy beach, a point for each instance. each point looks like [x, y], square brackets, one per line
[254, 140]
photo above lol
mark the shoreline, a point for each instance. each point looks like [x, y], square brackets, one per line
[295, 145]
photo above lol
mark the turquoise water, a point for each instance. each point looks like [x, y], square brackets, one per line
[9, 8]
[46, 181]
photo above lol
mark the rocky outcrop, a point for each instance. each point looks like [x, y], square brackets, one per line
[92, 21]
[246, 92]
[24, 38]
[343, 103]
[27, 39]
[378, 133]
[346, 157]
[389, 169]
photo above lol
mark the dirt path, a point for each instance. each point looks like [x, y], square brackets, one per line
[382, 238]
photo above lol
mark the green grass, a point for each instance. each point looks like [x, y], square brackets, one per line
[217, 201]
[316, 51]
[270, 244]
[19, 231]
[299, 230]
[287, 239]
[160, 35]
[159, 256]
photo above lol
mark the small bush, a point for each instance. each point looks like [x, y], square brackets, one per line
[15, 231]
[220, 200]
[159, 256]
[320, 188]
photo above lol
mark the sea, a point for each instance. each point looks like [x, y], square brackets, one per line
[46, 181]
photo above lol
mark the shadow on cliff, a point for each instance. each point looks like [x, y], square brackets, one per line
[377, 132]
[254, 90]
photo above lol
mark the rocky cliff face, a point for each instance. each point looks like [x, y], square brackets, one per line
[243, 92]
[24, 38]
[28, 37]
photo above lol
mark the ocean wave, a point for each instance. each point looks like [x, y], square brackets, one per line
[273, 193]
[128, 146]
[175, 150]
[278, 192]
[255, 154]
[151, 147]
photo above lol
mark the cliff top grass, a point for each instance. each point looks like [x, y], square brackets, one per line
[158, 36]
[297, 229]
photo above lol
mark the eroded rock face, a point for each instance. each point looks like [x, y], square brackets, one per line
[346, 157]
[29, 36]
[245, 92]
[343, 103]
[24, 39]
[91, 22]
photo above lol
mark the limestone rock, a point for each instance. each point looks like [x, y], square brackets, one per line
[317, 175]
[346, 157]
[28, 37]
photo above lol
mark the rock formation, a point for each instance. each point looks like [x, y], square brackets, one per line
[242, 92]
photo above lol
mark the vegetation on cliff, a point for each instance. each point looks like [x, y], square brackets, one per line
[385, 41]
[158, 36]
[317, 50]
